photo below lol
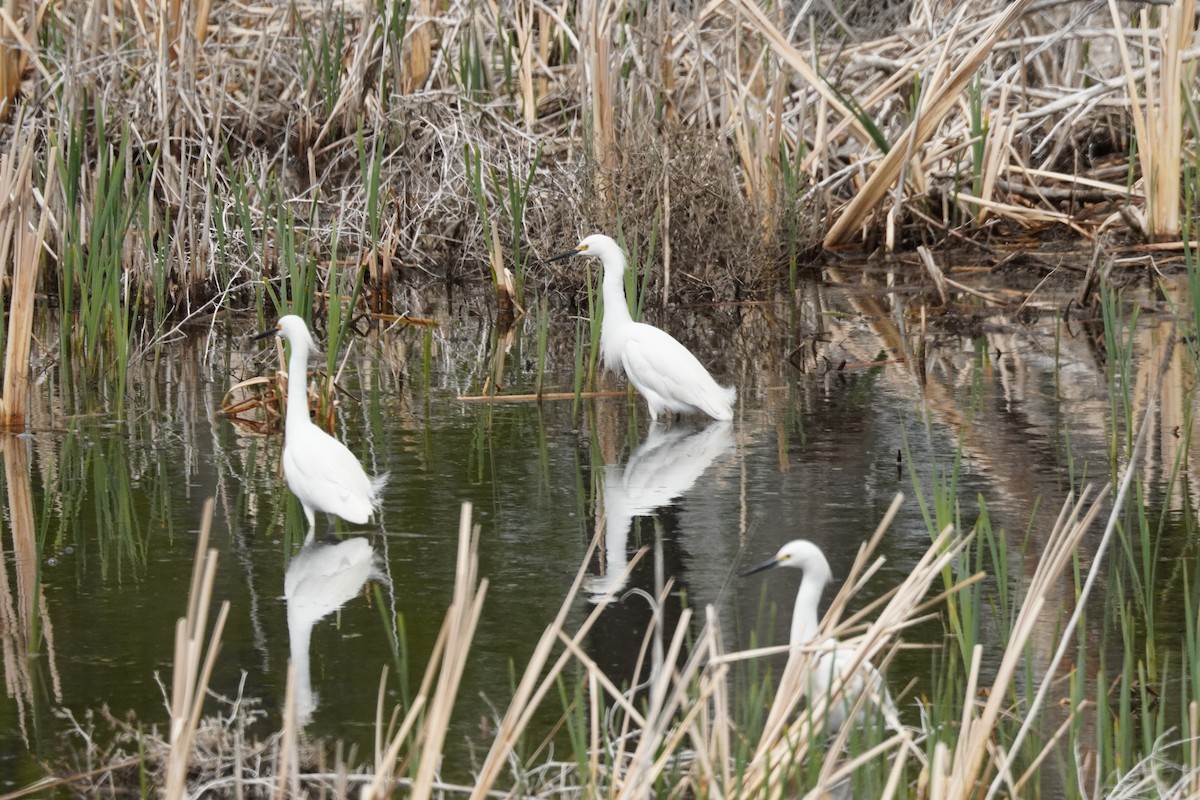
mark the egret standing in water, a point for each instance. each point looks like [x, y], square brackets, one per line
[321, 471]
[832, 664]
[660, 368]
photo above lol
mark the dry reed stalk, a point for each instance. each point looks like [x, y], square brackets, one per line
[936, 102]
[506, 287]
[287, 758]
[192, 666]
[600, 99]
[1194, 749]
[997, 148]
[17, 51]
[524, 18]
[27, 257]
[537, 398]
[11, 58]
[530, 692]
[1164, 149]
[418, 58]
[449, 661]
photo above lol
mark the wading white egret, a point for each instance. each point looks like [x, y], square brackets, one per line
[321, 471]
[832, 664]
[664, 371]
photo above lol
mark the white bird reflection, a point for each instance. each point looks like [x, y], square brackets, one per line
[320, 579]
[662, 468]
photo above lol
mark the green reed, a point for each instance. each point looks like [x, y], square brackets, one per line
[393, 15]
[396, 636]
[1119, 331]
[595, 320]
[370, 168]
[514, 194]
[979, 134]
[102, 201]
[321, 53]
[793, 184]
[543, 341]
[581, 368]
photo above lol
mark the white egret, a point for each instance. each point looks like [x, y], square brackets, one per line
[660, 368]
[832, 663]
[321, 471]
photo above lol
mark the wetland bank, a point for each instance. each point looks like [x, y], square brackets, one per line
[1009, 343]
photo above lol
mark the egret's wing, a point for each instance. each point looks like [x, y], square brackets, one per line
[656, 359]
[334, 480]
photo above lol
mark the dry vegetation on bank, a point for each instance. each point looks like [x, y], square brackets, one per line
[431, 141]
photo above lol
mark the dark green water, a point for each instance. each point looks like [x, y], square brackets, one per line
[813, 452]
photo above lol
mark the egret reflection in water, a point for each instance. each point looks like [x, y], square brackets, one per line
[320, 579]
[661, 469]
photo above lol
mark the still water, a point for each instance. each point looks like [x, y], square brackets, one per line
[830, 424]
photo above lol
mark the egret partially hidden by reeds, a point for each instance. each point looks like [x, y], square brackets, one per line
[321, 471]
[664, 371]
[836, 673]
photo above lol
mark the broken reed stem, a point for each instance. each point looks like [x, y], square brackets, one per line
[192, 668]
[464, 617]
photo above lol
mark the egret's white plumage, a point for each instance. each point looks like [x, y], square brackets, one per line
[833, 664]
[321, 471]
[664, 371]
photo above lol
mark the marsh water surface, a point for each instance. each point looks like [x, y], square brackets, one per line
[831, 423]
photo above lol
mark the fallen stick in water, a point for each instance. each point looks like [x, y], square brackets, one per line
[533, 398]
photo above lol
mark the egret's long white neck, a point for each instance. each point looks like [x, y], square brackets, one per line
[804, 615]
[616, 310]
[297, 395]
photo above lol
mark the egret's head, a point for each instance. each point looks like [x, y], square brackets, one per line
[798, 553]
[293, 329]
[598, 246]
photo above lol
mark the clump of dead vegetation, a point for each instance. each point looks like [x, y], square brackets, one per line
[425, 143]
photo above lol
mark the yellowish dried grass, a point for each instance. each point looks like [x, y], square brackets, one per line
[193, 665]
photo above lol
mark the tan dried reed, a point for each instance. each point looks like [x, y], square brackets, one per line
[23, 233]
[193, 666]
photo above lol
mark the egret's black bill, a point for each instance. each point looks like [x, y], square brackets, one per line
[266, 333]
[561, 256]
[774, 562]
